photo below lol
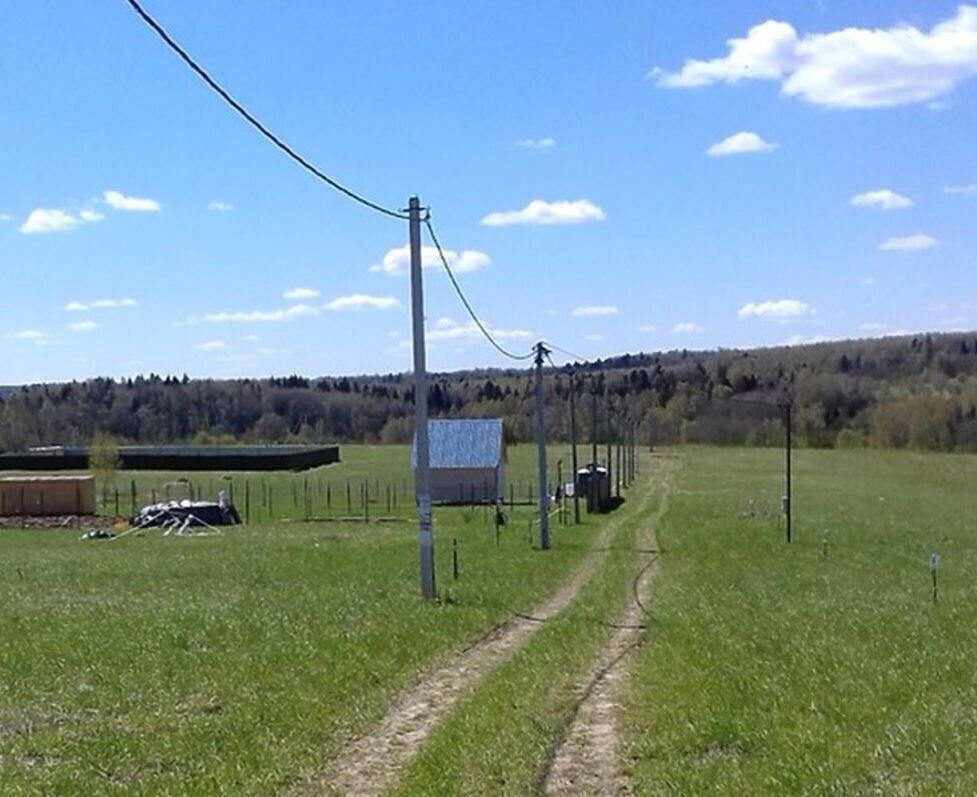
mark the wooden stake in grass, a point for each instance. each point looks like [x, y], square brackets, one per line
[454, 558]
[934, 566]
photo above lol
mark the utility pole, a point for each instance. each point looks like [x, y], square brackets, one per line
[573, 445]
[788, 420]
[544, 519]
[422, 474]
[592, 497]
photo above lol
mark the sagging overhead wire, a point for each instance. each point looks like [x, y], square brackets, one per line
[464, 299]
[253, 121]
[568, 353]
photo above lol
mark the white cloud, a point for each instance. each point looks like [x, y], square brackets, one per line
[541, 212]
[6, 217]
[909, 243]
[595, 309]
[801, 340]
[777, 308]
[848, 68]
[882, 198]
[42, 220]
[360, 301]
[301, 293]
[740, 143]
[593, 338]
[220, 207]
[119, 201]
[397, 261]
[686, 328]
[647, 328]
[28, 334]
[538, 144]
[255, 316]
[448, 329]
[962, 190]
[82, 326]
[211, 345]
[869, 281]
[99, 304]
[872, 326]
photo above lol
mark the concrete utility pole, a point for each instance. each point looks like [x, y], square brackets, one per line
[592, 492]
[573, 445]
[544, 518]
[422, 473]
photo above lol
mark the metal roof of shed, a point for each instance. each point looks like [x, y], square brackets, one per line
[463, 443]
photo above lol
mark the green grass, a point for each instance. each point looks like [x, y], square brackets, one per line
[232, 665]
[385, 470]
[498, 741]
[773, 670]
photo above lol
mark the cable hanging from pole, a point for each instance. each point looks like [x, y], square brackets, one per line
[464, 299]
[253, 121]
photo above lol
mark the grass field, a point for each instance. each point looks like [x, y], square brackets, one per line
[776, 670]
[237, 665]
[379, 474]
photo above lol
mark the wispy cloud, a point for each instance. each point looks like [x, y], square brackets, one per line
[301, 293]
[211, 345]
[449, 329]
[31, 335]
[647, 328]
[82, 326]
[776, 308]
[119, 201]
[882, 198]
[595, 310]
[397, 261]
[219, 206]
[593, 337]
[361, 301]
[261, 316]
[99, 304]
[6, 217]
[686, 328]
[739, 144]
[909, 243]
[961, 190]
[847, 68]
[539, 211]
[537, 144]
[868, 281]
[46, 220]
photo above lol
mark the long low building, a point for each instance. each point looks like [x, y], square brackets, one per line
[182, 458]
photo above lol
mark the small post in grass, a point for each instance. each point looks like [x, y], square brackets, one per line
[824, 544]
[454, 558]
[934, 566]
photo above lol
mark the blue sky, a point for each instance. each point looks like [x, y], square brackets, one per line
[712, 175]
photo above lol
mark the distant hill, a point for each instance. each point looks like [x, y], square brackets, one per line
[915, 390]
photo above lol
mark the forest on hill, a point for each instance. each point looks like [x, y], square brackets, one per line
[911, 391]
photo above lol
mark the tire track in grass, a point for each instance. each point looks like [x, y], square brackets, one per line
[587, 762]
[373, 764]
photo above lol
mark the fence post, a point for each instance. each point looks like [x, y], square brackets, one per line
[247, 502]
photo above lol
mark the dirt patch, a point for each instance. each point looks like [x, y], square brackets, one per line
[374, 763]
[587, 763]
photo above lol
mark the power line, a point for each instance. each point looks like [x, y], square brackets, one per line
[576, 357]
[252, 120]
[464, 299]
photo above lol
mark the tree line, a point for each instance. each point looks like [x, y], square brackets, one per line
[912, 391]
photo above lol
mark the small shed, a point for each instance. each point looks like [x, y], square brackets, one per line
[467, 460]
[47, 495]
